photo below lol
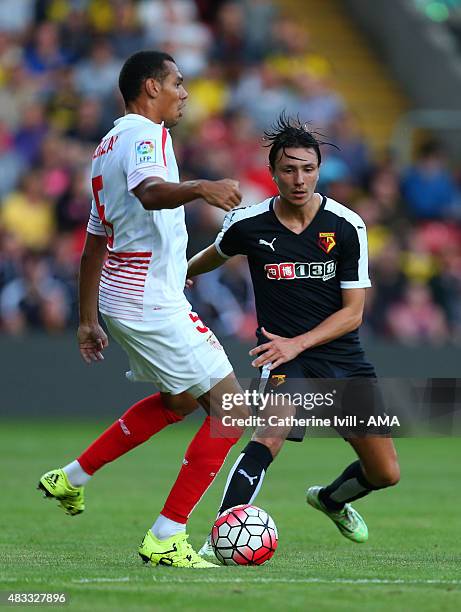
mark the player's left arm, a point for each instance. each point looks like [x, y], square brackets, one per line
[279, 350]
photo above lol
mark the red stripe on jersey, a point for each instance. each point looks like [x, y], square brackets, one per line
[133, 308]
[119, 301]
[124, 274]
[126, 297]
[164, 137]
[129, 262]
[110, 274]
[130, 254]
[121, 286]
[126, 267]
[133, 275]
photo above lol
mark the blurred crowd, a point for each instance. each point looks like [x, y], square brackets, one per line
[243, 63]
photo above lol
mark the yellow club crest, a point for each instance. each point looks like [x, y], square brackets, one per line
[327, 240]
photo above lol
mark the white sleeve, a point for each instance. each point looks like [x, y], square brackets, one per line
[353, 266]
[95, 225]
[146, 156]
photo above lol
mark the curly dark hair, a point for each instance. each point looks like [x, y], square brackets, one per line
[291, 132]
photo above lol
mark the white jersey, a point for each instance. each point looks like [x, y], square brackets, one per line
[144, 274]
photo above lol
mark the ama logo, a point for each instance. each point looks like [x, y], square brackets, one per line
[145, 151]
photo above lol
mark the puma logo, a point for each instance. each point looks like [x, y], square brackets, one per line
[269, 244]
[243, 473]
[124, 428]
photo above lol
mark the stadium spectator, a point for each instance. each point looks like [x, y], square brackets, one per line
[232, 46]
[96, 76]
[352, 148]
[10, 162]
[44, 54]
[31, 133]
[429, 187]
[35, 300]
[173, 26]
[316, 100]
[417, 318]
[27, 215]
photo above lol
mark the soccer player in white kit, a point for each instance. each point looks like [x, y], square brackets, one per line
[134, 263]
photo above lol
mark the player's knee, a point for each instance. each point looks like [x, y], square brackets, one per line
[181, 404]
[388, 476]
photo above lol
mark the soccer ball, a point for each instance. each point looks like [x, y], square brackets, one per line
[244, 535]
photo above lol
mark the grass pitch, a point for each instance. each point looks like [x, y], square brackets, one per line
[411, 562]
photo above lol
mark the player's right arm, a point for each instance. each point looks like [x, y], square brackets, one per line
[156, 194]
[92, 339]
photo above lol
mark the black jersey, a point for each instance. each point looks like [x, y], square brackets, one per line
[298, 278]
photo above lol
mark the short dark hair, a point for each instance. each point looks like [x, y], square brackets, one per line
[139, 67]
[290, 132]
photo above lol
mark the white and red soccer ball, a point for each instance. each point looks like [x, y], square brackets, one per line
[244, 535]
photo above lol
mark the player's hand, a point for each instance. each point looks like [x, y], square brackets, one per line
[189, 283]
[92, 340]
[224, 194]
[277, 351]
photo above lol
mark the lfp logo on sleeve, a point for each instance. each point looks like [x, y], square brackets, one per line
[145, 151]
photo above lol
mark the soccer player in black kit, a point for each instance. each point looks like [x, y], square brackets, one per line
[309, 267]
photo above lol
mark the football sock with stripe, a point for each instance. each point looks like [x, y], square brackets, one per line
[202, 461]
[350, 485]
[138, 424]
[246, 476]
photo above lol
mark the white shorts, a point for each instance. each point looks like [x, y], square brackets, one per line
[176, 354]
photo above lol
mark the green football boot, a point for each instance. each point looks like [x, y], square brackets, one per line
[56, 484]
[174, 552]
[349, 522]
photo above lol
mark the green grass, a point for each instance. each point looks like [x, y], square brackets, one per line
[414, 530]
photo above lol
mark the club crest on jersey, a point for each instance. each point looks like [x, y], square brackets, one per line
[277, 379]
[327, 240]
[145, 151]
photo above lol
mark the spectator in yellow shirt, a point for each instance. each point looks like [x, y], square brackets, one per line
[28, 215]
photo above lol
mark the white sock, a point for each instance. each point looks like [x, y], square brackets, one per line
[164, 528]
[76, 474]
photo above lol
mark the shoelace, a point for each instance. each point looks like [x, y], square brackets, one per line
[186, 549]
[350, 517]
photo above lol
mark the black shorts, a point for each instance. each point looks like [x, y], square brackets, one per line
[345, 392]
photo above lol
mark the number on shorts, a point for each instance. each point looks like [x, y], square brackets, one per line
[203, 329]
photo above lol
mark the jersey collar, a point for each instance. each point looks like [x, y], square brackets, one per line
[321, 207]
[135, 117]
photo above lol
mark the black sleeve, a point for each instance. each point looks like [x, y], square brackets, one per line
[353, 265]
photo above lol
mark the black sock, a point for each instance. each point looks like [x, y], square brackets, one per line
[352, 484]
[246, 476]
